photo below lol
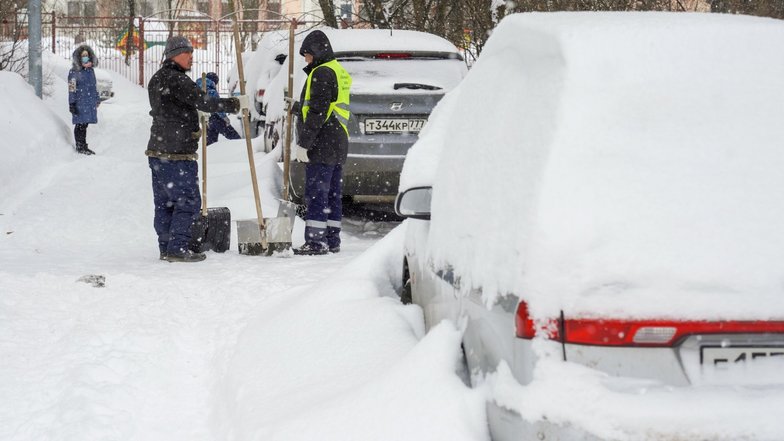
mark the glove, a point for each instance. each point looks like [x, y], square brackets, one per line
[72, 108]
[301, 154]
[244, 103]
[291, 105]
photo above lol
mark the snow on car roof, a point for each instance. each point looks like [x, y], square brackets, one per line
[344, 40]
[615, 164]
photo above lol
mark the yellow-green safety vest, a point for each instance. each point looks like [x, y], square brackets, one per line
[340, 106]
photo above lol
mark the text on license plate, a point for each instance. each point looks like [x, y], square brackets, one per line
[394, 125]
[724, 356]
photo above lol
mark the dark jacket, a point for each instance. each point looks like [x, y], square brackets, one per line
[82, 89]
[325, 139]
[174, 100]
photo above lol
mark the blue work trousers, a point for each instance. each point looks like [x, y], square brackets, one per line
[175, 189]
[323, 193]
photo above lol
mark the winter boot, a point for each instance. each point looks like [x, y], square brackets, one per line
[187, 256]
[311, 249]
[83, 149]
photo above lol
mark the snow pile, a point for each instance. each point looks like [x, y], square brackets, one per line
[34, 138]
[617, 165]
[343, 361]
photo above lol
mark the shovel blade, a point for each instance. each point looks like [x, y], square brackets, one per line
[249, 238]
[287, 209]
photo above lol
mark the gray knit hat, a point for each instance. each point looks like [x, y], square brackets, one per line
[176, 45]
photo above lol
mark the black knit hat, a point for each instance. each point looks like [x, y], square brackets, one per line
[176, 45]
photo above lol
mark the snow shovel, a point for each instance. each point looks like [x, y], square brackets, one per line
[212, 230]
[251, 234]
[254, 236]
[287, 210]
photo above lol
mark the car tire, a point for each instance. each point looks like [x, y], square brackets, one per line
[405, 292]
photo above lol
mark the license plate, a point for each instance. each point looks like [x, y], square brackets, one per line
[726, 357]
[394, 125]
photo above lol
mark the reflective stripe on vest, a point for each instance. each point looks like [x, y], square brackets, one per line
[339, 107]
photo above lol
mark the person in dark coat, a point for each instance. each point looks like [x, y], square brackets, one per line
[218, 123]
[83, 98]
[174, 140]
[322, 143]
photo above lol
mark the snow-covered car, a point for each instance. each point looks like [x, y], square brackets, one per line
[103, 82]
[398, 77]
[260, 67]
[599, 205]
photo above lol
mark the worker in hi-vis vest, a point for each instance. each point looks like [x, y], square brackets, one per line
[322, 143]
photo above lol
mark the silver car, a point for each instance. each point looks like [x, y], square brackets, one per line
[398, 78]
[582, 224]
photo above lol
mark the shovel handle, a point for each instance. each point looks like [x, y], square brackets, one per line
[248, 143]
[290, 94]
[204, 152]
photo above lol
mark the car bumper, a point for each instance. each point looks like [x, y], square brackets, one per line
[508, 425]
[365, 177]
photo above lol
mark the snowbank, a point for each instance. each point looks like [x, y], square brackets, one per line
[617, 164]
[34, 138]
[342, 360]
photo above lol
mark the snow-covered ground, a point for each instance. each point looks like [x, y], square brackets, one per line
[233, 348]
[257, 348]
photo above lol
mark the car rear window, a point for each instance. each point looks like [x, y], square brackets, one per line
[403, 72]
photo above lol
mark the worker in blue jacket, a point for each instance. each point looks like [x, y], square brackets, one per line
[218, 123]
[83, 99]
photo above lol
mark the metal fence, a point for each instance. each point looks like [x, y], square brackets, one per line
[133, 46]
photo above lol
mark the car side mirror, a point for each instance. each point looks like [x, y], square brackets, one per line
[414, 203]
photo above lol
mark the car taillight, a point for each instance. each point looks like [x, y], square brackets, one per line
[260, 93]
[603, 332]
[527, 328]
[393, 55]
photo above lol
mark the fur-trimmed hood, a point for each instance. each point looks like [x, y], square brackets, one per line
[76, 57]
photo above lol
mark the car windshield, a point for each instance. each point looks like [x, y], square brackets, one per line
[402, 73]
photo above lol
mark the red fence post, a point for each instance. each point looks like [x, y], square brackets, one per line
[141, 51]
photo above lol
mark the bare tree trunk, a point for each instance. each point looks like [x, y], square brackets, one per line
[328, 10]
[129, 39]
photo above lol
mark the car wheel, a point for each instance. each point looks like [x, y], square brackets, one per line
[405, 292]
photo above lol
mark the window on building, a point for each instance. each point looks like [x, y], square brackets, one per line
[83, 9]
[274, 8]
[203, 6]
[89, 9]
[74, 9]
[346, 11]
